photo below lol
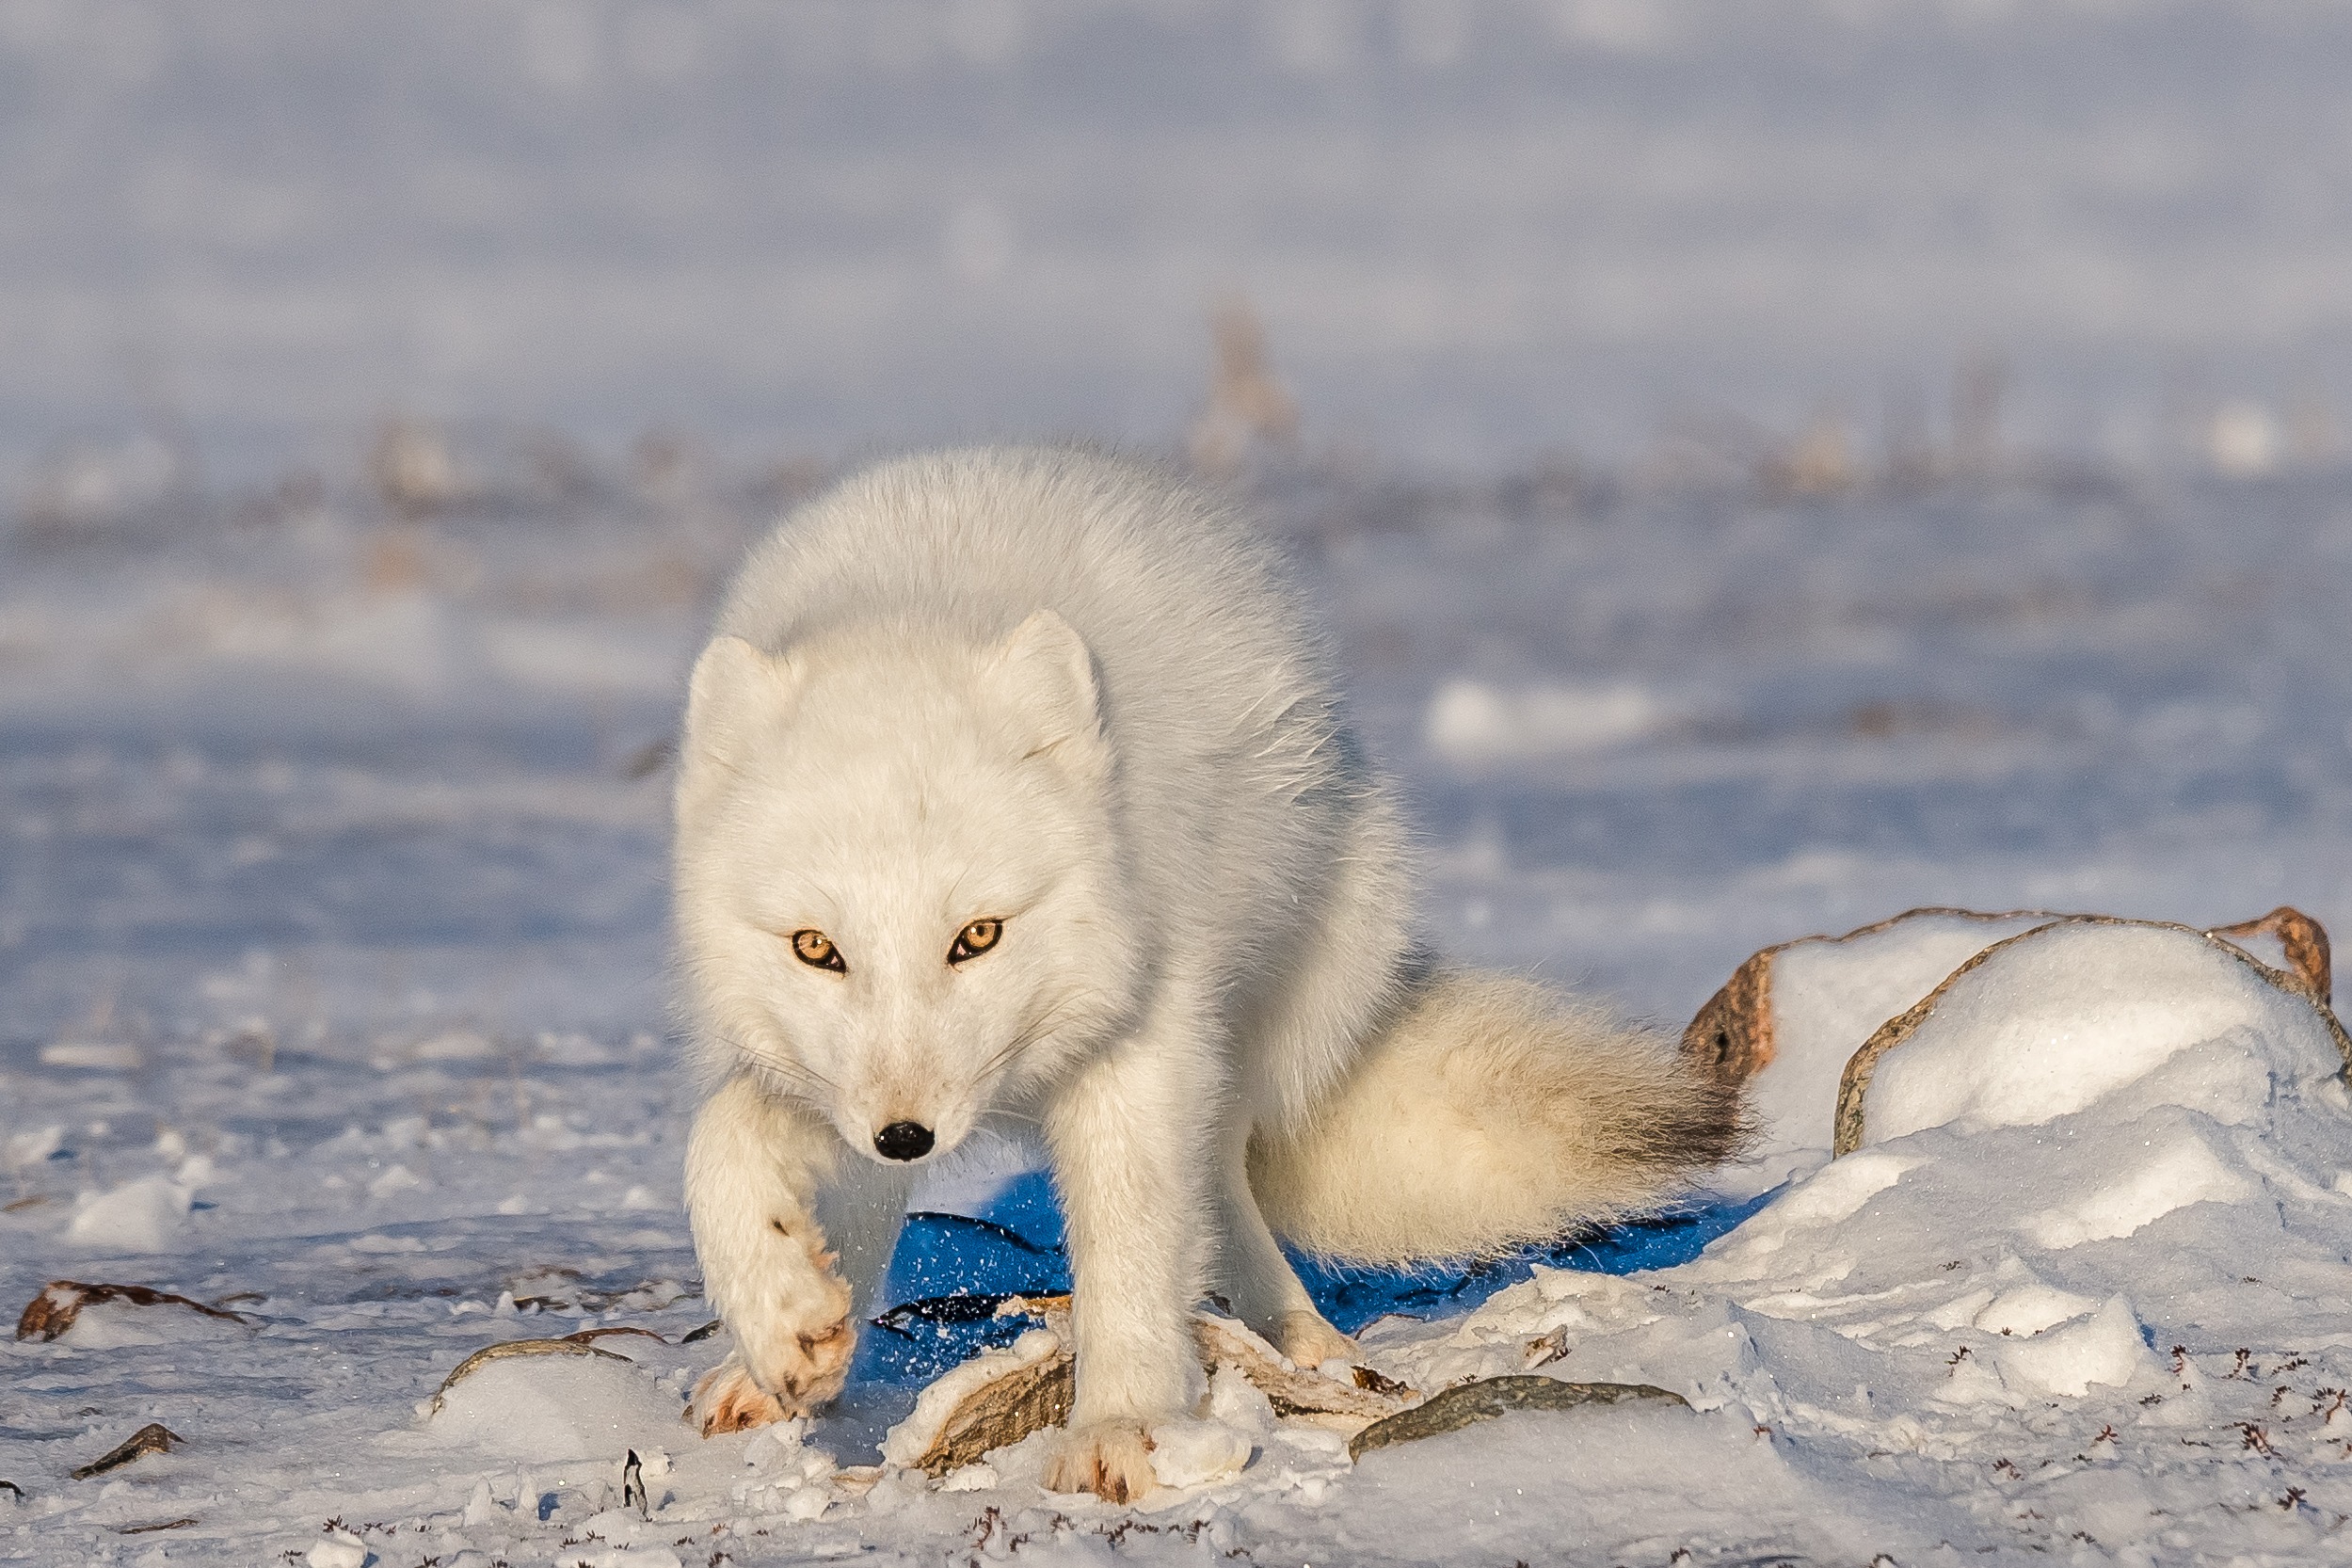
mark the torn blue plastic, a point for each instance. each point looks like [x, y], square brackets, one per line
[952, 1272]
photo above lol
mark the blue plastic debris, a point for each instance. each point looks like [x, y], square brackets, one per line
[952, 1273]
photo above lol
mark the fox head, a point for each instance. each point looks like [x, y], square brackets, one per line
[895, 868]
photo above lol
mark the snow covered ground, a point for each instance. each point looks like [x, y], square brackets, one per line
[330, 993]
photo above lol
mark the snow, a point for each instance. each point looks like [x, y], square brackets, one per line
[146, 1215]
[1471, 723]
[1197, 1454]
[1476, 229]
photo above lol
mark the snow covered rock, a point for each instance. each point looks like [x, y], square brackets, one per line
[538, 1409]
[2097, 1138]
[2043, 1024]
[105, 1317]
[1793, 1014]
[995, 1399]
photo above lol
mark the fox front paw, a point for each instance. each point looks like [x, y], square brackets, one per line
[798, 1349]
[786, 1363]
[1111, 1459]
[727, 1399]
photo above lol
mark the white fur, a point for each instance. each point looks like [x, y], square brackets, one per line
[1068, 693]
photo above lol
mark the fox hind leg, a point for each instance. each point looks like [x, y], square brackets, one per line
[1254, 1276]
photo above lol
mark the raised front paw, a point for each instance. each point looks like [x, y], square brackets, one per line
[1111, 1459]
[800, 1352]
[727, 1399]
[791, 1357]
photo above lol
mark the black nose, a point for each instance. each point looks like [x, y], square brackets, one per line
[904, 1141]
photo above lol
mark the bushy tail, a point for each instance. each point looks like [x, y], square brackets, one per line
[1492, 1111]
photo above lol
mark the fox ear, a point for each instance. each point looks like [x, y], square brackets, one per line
[1043, 671]
[736, 698]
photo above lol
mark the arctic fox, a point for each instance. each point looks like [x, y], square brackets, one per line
[1012, 787]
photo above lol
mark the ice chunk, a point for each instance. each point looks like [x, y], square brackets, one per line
[2052, 1021]
[338, 1549]
[1195, 1453]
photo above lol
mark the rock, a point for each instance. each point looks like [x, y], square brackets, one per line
[1467, 1403]
[2301, 945]
[1224, 1342]
[989, 1403]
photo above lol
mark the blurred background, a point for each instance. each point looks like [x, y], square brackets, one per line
[1763, 466]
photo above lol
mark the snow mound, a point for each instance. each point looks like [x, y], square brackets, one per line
[549, 1408]
[146, 1215]
[1793, 1016]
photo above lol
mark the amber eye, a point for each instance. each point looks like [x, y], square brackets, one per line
[816, 949]
[975, 939]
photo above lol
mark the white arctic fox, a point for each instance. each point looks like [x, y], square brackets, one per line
[1013, 786]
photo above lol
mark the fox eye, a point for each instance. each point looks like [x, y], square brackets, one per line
[975, 939]
[816, 949]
